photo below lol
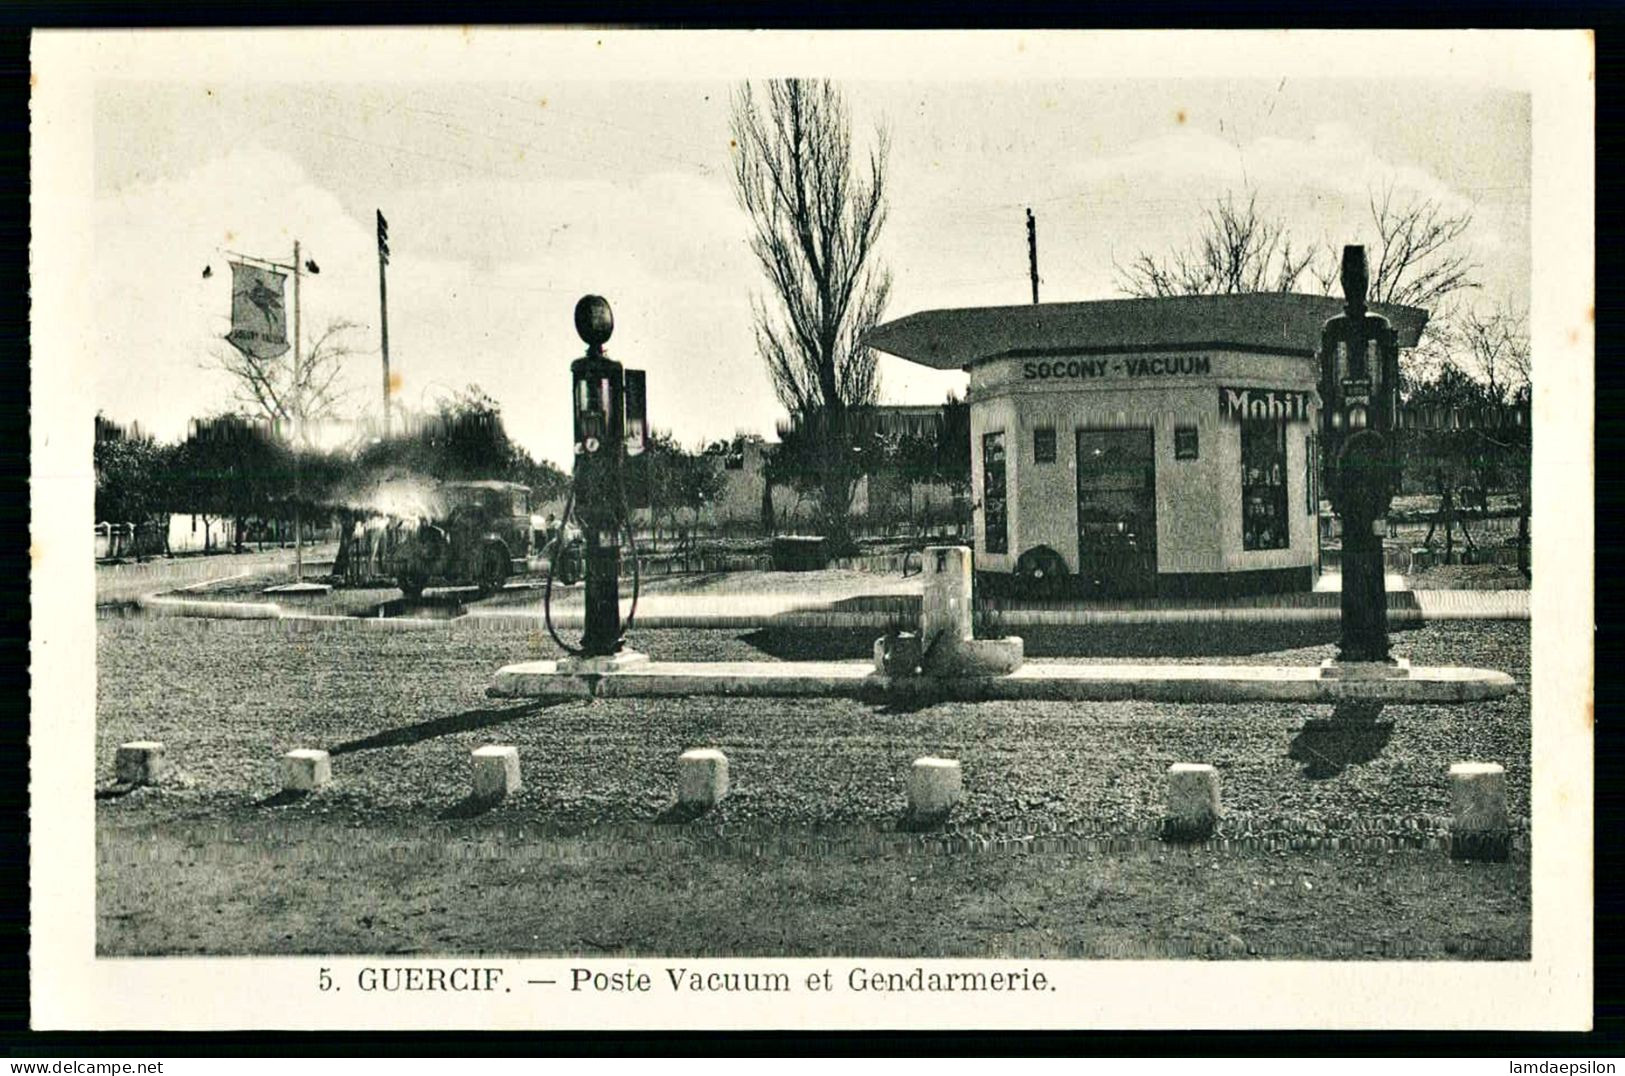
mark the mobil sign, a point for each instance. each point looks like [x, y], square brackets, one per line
[1264, 405]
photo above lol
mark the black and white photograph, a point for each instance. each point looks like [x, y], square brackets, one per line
[573, 528]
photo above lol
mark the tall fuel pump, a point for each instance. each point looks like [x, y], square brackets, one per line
[1359, 390]
[608, 405]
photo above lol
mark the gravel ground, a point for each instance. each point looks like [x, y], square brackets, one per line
[1468, 577]
[401, 710]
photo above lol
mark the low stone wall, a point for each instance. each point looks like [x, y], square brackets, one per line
[659, 565]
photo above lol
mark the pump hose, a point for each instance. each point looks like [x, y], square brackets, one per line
[558, 549]
[637, 575]
[552, 559]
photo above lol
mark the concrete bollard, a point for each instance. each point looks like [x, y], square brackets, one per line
[305, 770]
[702, 777]
[1478, 811]
[935, 785]
[140, 762]
[1193, 801]
[496, 772]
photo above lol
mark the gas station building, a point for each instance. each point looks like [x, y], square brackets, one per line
[1142, 446]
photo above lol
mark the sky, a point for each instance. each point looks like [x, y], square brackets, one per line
[508, 200]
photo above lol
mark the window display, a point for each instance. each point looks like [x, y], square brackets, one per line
[995, 536]
[1264, 522]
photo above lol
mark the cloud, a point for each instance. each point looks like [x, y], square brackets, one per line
[486, 268]
[959, 237]
[158, 319]
[482, 284]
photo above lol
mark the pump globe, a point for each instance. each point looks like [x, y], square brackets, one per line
[594, 320]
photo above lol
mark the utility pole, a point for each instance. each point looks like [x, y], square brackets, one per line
[1032, 252]
[383, 306]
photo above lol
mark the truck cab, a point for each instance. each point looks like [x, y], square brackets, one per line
[483, 533]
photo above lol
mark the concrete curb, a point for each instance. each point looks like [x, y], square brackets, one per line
[886, 613]
[1048, 682]
[197, 607]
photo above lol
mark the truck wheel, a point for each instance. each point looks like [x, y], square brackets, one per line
[493, 570]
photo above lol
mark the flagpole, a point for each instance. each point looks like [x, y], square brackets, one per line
[298, 532]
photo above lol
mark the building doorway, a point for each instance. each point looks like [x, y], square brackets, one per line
[1117, 512]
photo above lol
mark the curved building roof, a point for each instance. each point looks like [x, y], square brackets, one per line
[1270, 322]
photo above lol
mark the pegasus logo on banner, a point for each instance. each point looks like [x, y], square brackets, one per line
[258, 325]
[268, 300]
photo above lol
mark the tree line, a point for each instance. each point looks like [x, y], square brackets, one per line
[241, 471]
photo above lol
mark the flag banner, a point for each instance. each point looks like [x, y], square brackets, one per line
[259, 323]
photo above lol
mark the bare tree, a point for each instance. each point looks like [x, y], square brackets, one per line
[1237, 250]
[815, 220]
[1421, 260]
[1420, 256]
[289, 391]
[1495, 346]
[293, 394]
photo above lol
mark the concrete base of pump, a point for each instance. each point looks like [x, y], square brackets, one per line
[1333, 669]
[598, 666]
[1062, 682]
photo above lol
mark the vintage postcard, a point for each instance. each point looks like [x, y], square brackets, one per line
[652, 529]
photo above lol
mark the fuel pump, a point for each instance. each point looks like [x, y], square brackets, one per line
[608, 406]
[1359, 390]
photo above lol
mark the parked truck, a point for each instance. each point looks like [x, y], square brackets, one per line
[486, 533]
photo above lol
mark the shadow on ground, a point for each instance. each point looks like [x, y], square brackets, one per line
[679, 584]
[1353, 734]
[910, 703]
[1163, 641]
[680, 813]
[804, 644]
[470, 806]
[912, 821]
[467, 721]
[284, 798]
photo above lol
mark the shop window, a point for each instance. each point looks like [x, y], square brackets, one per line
[1185, 443]
[995, 535]
[1263, 486]
[1044, 445]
